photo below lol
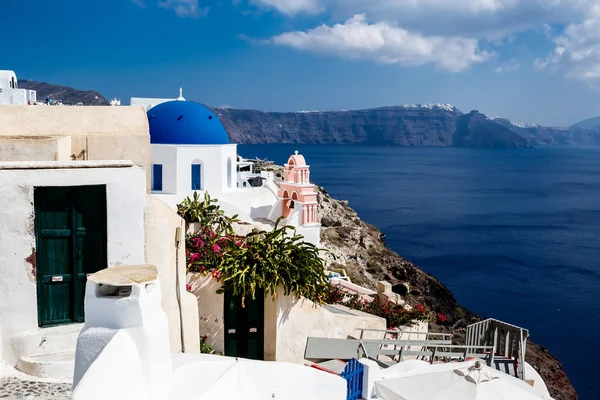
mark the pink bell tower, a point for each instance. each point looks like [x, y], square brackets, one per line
[296, 191]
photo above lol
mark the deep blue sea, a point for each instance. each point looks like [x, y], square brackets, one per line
[514, 234]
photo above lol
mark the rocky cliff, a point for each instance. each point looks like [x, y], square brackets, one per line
[360, 249]
[413, 125]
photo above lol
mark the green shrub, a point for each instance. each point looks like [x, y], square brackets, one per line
[264, 260]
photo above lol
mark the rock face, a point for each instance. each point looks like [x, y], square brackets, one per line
[477, 131]
[64, 94]
[426, 125]
[380, 126]
[360, 249]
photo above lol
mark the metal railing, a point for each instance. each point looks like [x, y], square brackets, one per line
[430, 351]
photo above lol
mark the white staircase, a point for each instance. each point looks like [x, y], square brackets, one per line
[50, 352]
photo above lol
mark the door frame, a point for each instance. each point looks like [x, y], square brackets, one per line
[242, 329]
[76, 281]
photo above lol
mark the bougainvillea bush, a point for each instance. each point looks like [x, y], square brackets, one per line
[395, 314]
[265, 260]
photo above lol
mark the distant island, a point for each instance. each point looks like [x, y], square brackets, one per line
[441, 125]
[412, 125]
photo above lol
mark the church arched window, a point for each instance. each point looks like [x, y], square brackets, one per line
[196, 176]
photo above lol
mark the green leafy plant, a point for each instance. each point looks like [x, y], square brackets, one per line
[207, 212]
[205, 347]
[265, 260]
[272, 259]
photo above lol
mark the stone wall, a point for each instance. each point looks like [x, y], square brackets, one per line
[97, 133]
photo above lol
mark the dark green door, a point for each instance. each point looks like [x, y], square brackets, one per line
[70, 227]
[244, 327]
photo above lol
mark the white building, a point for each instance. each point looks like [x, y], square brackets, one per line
[190, 152]
[10, 92]
[123, 353]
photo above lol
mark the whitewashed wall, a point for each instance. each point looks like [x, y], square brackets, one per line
[290, 321]
[161, 223]
[211, 307]
[126, 198]
[167, 157]
[146, 102]
[177, 163]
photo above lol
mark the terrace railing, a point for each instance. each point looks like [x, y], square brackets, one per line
[509, 341]
[429, 351]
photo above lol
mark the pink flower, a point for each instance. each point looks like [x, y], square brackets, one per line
[216, 248]
[194, 257]
[197, 242]
[215, 274]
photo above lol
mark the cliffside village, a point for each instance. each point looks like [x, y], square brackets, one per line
[96, 289]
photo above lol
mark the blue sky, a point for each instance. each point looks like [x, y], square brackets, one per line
[527, 60]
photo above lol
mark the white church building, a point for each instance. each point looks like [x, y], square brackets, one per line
[191, 152]
[10, 92]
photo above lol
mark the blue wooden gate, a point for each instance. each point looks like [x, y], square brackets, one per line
[353, 374]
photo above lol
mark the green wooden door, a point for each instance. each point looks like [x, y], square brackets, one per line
[244, 327]
[70, 226]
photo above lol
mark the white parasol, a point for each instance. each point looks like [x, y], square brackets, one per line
[455, 381]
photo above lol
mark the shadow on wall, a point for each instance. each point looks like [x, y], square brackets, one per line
[211, 306]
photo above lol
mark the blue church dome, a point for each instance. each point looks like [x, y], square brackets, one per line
[185, 122]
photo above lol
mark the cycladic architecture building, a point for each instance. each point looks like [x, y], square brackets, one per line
[191, 152]
[10, 92]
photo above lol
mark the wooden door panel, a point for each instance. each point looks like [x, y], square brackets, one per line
[53, 255]
[89, 216]
[232, 332]
[55, 282]
[254, 326]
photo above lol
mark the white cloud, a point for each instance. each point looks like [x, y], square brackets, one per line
[185, 8]
[490, 19]
[356, 38]
[448, 32]
[577, 50]
[507, 67]
[292, 7]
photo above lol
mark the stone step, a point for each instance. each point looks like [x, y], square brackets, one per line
[56, 366]
[54, 340]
